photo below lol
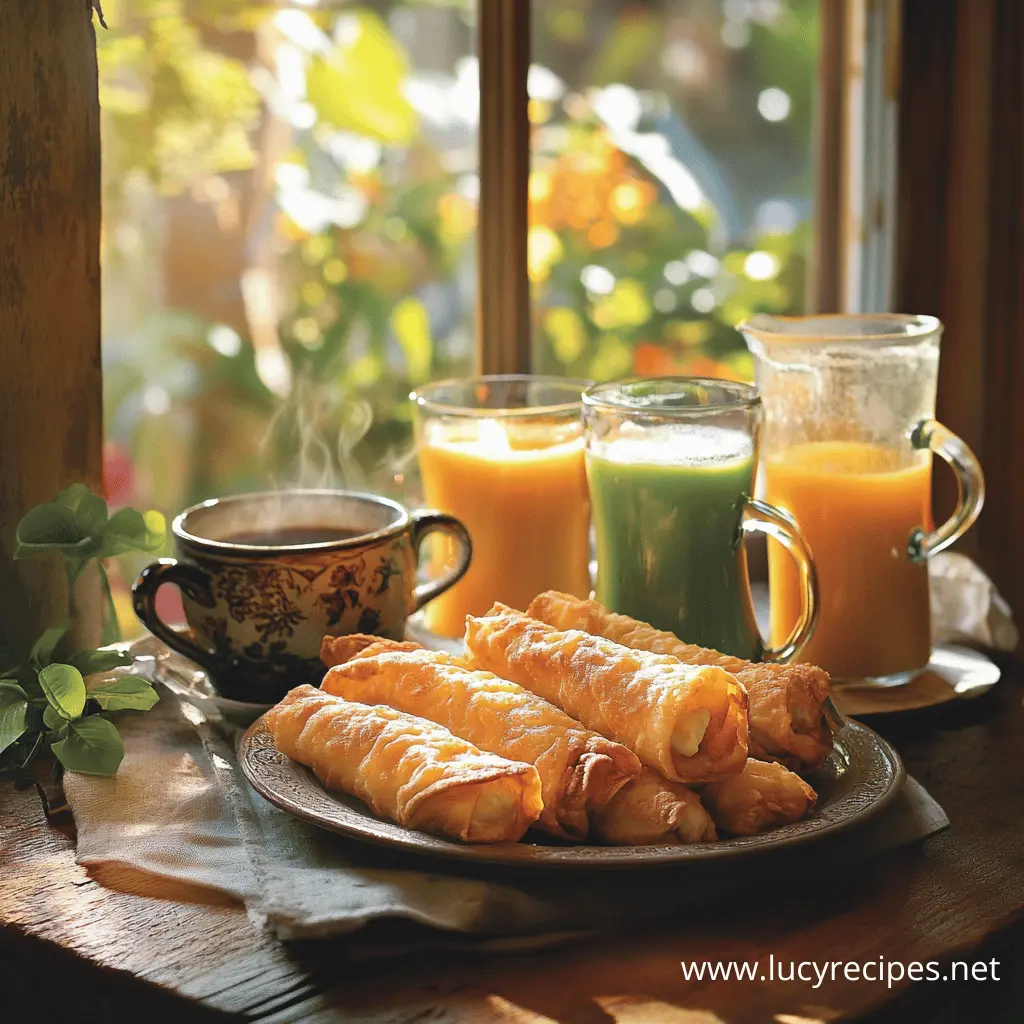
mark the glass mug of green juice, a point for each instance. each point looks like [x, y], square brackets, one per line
[670, 467]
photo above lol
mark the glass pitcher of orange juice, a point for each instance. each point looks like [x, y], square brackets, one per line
[848, 441]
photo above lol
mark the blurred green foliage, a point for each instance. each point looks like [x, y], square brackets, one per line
[323, 158]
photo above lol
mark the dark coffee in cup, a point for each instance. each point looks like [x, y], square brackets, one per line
[290, 536]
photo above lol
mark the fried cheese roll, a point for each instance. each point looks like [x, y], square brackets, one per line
[407, 769]
[652, 811]
[336, 650]
[787, 703]
[687, 722]
[580, 771]
[763, 796]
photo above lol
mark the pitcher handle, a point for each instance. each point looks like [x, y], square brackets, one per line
[425, 523]
[933, 436]
[760, 517]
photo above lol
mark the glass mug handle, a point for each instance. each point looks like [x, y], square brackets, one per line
[933, 436]
[760, 517]
[425, 523]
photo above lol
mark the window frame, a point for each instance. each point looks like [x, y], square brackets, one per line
[959, 238]
[853, 250]
[503, 337]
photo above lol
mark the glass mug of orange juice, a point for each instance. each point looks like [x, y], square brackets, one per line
[507, 453]
[848, 442]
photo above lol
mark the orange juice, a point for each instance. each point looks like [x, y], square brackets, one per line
[856, 504]
[521, 490]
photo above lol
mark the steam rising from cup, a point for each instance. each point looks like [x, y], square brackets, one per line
[311, 443]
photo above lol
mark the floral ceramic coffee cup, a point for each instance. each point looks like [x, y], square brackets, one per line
[264, 577]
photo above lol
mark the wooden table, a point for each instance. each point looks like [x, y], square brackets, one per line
[83, 952]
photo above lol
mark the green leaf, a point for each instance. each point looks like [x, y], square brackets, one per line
[358, 88]
[12, 722]
[90, 509]
[10, 691]
[111, 631]
[72, 496]
[64, 688]
[90, 662]
[126, 693]
[76, 525]
[50, 527]
[131, 530]
[42, 650]
[55, 721]
[72, 525]
[92, 747]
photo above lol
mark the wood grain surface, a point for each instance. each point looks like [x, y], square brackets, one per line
[51, 414]
[959, 895]
[961, 245]
[503, 297]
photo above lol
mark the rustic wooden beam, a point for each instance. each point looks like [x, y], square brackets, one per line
[961, 245]
[503, 311]
[1000, 540]
[825, 272]
[51, 411]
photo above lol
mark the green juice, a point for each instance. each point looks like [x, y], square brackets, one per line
[667, 508]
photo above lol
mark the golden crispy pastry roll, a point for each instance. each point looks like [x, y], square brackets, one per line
[787, 703]
[336, 650]
[579, 770]
[763, 796]
[687, 722]
[653, 811]
[407, 769]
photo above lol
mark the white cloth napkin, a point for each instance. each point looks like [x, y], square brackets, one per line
[966, 607]
[163, 813]
[179, 809]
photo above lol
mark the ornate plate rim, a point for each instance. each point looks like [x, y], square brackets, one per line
[255, 745]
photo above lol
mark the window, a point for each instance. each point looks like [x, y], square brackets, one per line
[916, 175]
[290, 204]
[291, 210]
[670, 193]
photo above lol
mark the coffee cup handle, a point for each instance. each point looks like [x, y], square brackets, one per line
[760, 517]
[933, 436]
[426, 523]
[195, 583]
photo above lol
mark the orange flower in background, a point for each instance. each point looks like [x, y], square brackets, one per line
[630, 200]
[602, 234]
[705, 366]
[650, 360]
[590, 188]
[653, 360]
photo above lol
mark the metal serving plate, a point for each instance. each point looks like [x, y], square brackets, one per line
[861, 776]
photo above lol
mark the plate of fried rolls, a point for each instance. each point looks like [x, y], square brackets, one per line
[566, 735]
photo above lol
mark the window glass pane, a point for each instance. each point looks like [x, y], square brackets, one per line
[289, 217]
[670, 190]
